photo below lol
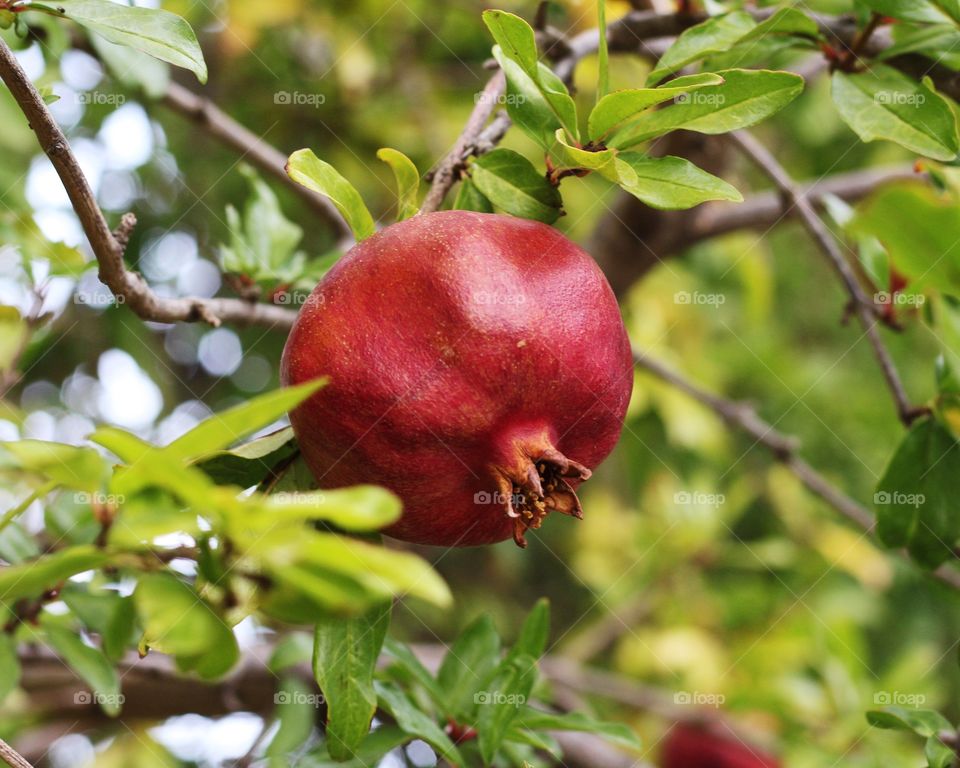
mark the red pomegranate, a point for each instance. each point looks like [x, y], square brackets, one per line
[695, 746]
[479, 368]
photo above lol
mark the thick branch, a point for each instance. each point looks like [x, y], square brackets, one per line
[863, 306]
[784, 449]
[128, 287]
[267, 158]
[472, 140]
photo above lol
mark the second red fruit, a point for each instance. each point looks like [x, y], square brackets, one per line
[694, 746]
[478, 366]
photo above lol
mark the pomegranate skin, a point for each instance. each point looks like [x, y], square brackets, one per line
[478, 367]
[694, 746]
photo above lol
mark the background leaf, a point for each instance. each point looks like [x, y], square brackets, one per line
[344, 657]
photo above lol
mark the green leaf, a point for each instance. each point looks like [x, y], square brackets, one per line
[469, 198]
[90, 664]
[514, 36]
[616, 733]
[920, 231]
[292, 649]
[162, 34]
[104, 612]
[514, 186]
[14, 333]
[416, 723]
[746, 97]
[305, 168]
[374, 747]
[923, 722]
[620, 106]
[295, 712]
[535, 631]
[507, 690]
[467, 664]
[344, 659]
[263, 242]
[411, 666]
[9, 665]
[930, 39]
[715, 35]
[30, 578]
[356, 508]
[517, 43]
[673, 182]
[16, 545]
[177, 621]
[249, 463]
[909, 10]
[148, 515]
[883, 103]
[133, 68]
[81, 469]
[915, 498]
[126, 446]
[938, 754]
[786, 21]
[602, 160]
[526, 106]
[225, 428]
[408, 181]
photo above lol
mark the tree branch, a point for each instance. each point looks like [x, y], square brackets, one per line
[471, 141]
[11, 757]
[783, 448]
[863, 306]
[267, 158]
[128, 287]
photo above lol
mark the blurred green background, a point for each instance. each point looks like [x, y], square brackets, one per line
[701, 566]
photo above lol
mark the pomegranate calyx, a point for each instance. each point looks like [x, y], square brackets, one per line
[537, 485]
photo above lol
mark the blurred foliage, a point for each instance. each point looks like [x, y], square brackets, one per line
[742, 590]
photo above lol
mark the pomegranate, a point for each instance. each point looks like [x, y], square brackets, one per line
[696, 746]
[478, 366]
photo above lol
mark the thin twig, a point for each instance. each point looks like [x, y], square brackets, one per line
[783, 447]
[11, 757]
[859, 43]
[232, 134]
[128, 287]
[449, 168]
[864, 307]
